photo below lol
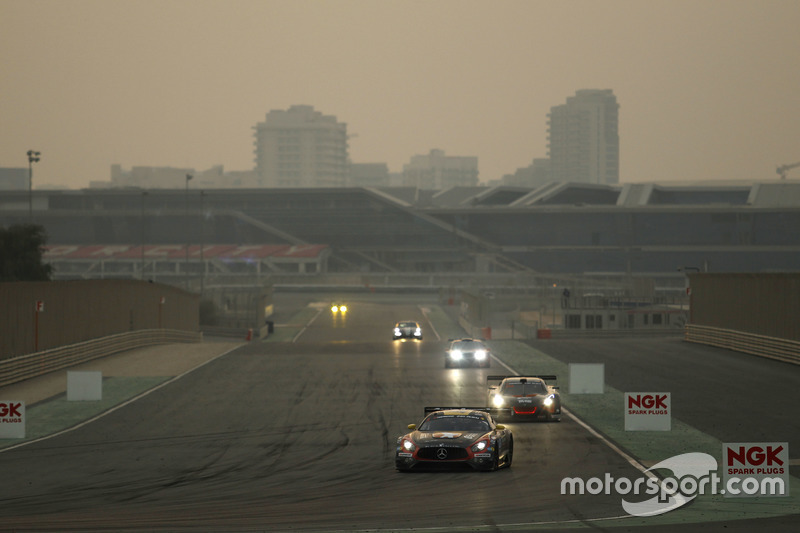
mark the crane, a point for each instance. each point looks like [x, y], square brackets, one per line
[781, 170]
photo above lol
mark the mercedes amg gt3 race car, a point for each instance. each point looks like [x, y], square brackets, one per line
[467, 352]
[524, 397]
[455, 436]
[407, 330]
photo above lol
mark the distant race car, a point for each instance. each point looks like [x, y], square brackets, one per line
[467, 352]
[453, 437]
[407, 330]
[337, 307]
[524, 397]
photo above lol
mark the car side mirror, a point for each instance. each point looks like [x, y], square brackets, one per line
[412, 426]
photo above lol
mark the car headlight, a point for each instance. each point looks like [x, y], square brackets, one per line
[418, 332]
[343, 308]
[479, 446]
[455, 354]
[397, 331]
[549, 401]
[408, 445]
[480, 355]
[498, 400]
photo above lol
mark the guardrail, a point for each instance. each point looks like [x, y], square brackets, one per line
[36, 364]
[771, 347]
[570, 333]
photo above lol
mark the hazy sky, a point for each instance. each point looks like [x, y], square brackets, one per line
[708, 89]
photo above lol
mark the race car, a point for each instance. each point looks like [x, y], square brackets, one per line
[467, 352]
[524, 397]
[449, 437]
[338, 307]
[407, 330]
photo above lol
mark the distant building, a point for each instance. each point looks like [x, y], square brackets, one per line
[583, 138]
[146, 177]
[536, 174]
[369, 175]
[13, 179]
[175, 178]
[438, 171]
[301, 147]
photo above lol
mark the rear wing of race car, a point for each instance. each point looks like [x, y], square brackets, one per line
[490, 378]
[456, 408]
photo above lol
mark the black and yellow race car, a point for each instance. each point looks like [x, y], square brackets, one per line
[451, 437]
[524, 397]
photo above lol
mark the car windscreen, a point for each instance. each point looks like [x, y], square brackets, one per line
[523, 389]
[455, 423]
[468, 346]
[407, 325]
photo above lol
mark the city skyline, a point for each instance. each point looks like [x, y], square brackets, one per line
[707, 90]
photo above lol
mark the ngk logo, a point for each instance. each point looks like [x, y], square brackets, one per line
[755, 455]
[10, 409]
[12, 420]
[648, 401]
[754, 459]
[647, 411]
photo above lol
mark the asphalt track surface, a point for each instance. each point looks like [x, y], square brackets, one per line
[299, 435]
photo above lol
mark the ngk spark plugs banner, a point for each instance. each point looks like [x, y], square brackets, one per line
[12, 420]
[648, 411]
[754, 469]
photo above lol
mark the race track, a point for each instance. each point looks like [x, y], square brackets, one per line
[280, 436]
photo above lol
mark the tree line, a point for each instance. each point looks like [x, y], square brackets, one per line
[21, 252]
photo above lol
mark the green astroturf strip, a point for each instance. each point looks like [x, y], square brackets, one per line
[605, 413]
[57, 414]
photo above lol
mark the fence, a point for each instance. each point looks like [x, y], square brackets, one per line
[774, 348]
[36, 364]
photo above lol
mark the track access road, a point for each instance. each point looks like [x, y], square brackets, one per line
[300, 436]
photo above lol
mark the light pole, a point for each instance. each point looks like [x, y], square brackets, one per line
[33, 157]
[186, 274]
[141, 223]
[202, 259]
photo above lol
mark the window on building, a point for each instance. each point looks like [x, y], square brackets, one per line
[573, 321]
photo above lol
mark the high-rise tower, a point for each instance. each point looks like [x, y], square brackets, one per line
[301, 147]
[583, 138]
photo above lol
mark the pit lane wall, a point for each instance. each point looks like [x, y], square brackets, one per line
[756, 313]
[40, 316]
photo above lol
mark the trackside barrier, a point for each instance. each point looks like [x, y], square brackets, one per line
[39, 363]
[569, 333]
[772, 347]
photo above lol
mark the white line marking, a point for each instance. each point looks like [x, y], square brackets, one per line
[306, 326]
[119, 406]
[425, 314]
[633, 462]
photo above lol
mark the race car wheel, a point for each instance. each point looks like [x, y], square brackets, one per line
[447, 363]
[495, 460]
[509, 454]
